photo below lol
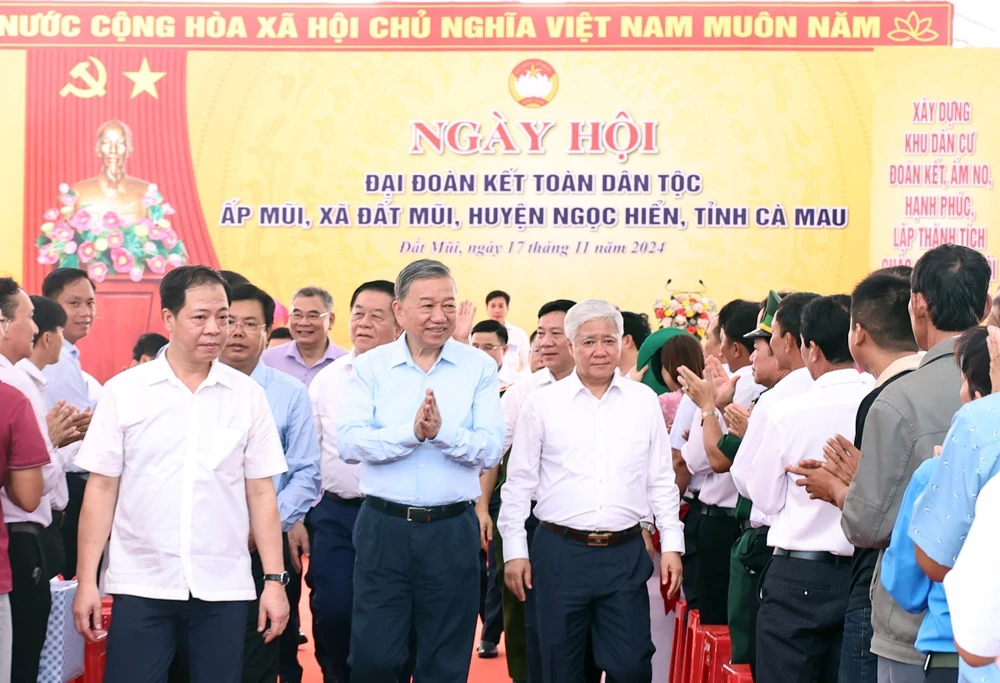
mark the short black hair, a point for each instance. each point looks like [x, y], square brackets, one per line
[636, 326]
[8, 296]
[280, 333]
[905, 272]
[383, 286]
[233, 278]
[488, 326]
[61, 278]
[148, 345]
[826, 320]
[557, 306]
[972, 354]
[880, 304]
[497, 293]
[955, 281]
[176, 283]
[789, 314]
[531, 337]
[249, 292]
[738, 318]
[49, 315]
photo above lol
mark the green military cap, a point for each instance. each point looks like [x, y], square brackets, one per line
[764, 326]
[649, 354]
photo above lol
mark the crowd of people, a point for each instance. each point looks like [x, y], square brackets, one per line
[816, 474]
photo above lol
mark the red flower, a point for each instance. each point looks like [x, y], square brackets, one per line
[692, 330]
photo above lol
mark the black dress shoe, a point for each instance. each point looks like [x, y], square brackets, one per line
[486, 650]
[302, 638]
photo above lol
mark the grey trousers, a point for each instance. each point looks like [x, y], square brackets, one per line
[6, 638]
[891, 671]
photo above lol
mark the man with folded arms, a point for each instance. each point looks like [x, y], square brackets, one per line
[588, 563]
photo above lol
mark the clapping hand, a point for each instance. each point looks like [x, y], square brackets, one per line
[61, 422]
[428, 420]
[737, 418]
[701, 391]
[465, 320]
[725, 386]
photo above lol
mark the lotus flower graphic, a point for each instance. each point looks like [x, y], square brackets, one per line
[533, 83]
[913, 28]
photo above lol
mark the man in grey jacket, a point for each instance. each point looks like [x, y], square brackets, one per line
[949, 294]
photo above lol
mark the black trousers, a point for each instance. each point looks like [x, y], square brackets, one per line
[419, 575]
[716, 536]
[76, 482]
[145, 634]
[689, 560]
[30, 602]
[800, 626]
[941, 676]
[288, 641]
[261, 661]
[757, 562]
[580, 589]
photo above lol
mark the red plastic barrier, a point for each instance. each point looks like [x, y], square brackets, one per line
[737, 673]
[718, 652]
[677, 651]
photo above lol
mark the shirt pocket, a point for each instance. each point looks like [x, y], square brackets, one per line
[226, 446]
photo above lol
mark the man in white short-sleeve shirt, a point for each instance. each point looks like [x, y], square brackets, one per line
[181, 453]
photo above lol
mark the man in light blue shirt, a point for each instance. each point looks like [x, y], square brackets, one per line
[72, 289]
[422, 415]
[251, 317]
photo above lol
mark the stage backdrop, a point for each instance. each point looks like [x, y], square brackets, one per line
[550, 151]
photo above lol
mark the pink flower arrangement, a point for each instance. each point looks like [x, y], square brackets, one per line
[122, 260]
[75, 235]
[98, 271]
[116, 239]
[685, 311]
[86, 252]
[157, 264]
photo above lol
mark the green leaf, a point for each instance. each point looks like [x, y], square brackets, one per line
[156, 213]
[70, 261]
[42, 240]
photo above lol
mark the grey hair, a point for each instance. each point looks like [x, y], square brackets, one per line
[418, 270]
[590, 310]
[308, 292]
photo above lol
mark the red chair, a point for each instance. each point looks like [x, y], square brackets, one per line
[687, 664]
[106, 603]
[700, 650]
[719, 650]
[95, 653]
[677, 651]
[737, 673]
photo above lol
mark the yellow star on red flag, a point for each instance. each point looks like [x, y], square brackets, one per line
[144, 80]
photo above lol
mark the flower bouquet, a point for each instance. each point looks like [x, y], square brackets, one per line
[73, 237]
[689, 312]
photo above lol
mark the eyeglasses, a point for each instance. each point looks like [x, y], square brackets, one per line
[245, 325]
[487, 347]
[312, 316]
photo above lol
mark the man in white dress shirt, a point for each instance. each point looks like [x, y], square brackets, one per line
[518, 346]
[589, 566]
[35, 545]
[181, 454]
[719, 529]
[331, 563]
[805, 587]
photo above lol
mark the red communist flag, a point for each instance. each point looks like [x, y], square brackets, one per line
[72, 95]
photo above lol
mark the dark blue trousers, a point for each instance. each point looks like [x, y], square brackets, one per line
[145, 634]
[579, 589]
[414, 576]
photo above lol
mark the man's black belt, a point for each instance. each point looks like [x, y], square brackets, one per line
[413, 513]
[48, 541]
[33, 528]
[812, 556]
[595, 539]
[941, 660]
[352, 502]
[716, 511]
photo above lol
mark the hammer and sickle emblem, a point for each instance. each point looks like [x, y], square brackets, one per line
[95, 83]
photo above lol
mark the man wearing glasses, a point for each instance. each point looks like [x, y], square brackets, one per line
[251, 315]
[311, 349]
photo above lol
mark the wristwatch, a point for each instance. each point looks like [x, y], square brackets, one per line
[705, 414]
[283, 578]
[648, 526]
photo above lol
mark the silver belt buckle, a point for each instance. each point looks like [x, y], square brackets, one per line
[409, 514]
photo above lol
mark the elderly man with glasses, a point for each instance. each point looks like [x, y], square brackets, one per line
[310, 350]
